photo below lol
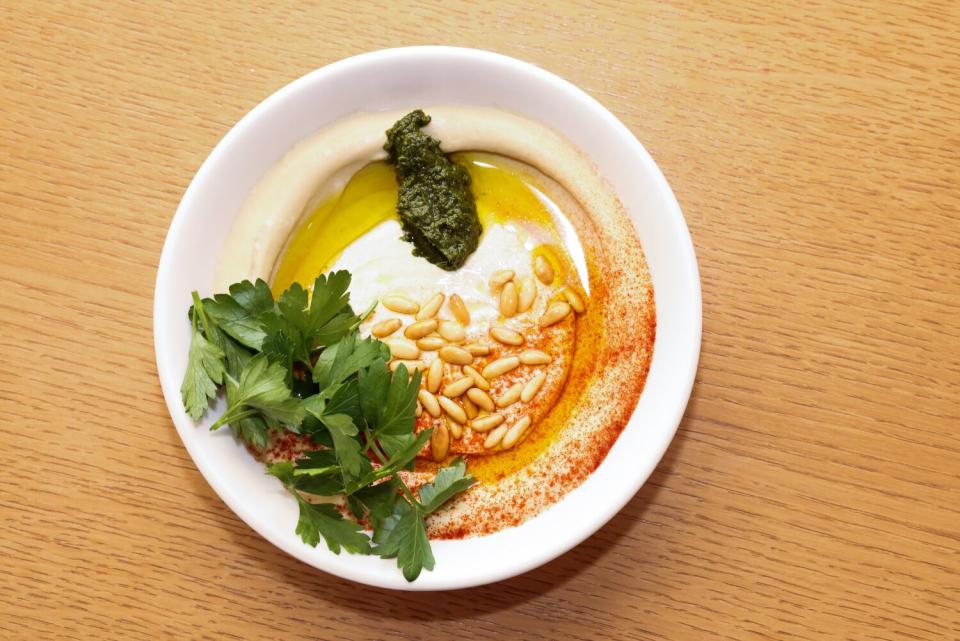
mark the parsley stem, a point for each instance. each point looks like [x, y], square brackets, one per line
[375, 447]
[227, 418]
[198, 309]
[368, 438]
[362, 317]
[408, 493]
[372, 446]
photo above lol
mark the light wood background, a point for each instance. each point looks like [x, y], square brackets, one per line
[813, 490]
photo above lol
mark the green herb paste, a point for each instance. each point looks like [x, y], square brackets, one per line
[436, 207]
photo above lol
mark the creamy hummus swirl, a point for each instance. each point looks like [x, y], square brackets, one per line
[320, 165]
[614, 338]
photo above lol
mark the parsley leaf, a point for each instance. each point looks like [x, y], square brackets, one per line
[237, 356]
[389, 403]
[289, 323]
[330, 314]
[346, 400]
[353, 464]
[292, 305]
[320, 485]
[371, 385]
[402, 459]
[317, 473]
[320, 520]
[261, 389]
[449, 481]
[238, 313]
[279, 344]
[205, 369]
[323, 520]
[317, 462]
[375, 502]
[255, 298]
[328, 317]
[252, 429]
[345, 358]
[316, 430]
[404, 535]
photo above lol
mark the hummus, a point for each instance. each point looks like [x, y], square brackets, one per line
[601, 358]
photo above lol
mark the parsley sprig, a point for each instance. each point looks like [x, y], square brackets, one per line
[298, 364]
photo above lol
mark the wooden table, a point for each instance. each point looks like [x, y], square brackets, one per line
[813, 490]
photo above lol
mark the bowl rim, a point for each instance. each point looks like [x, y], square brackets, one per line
[593, 521]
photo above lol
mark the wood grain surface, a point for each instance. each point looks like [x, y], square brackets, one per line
[813, 489]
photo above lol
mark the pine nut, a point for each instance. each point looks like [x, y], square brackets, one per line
[434, 375]
[534, 357]
[543, 270]
[575, 300]
[515, 433]
[500, 278]
[555, 313]
[419, 411]
[440, 442]
[486, 423]
[401, 348]
[459, 309]
[385, 328]
[429, 403]
[411, 366]
[505, 336]
[400, 304]
[509, 300]
[478, 379]
[452, 409]
[420, 329]
[478, 349]
[455, 355]
[430, 308]
[532, 387]
[528, 293]
[431, 343]
[470, 407]
[493, 438]
[511, 396]
[481, 399]
[451, 331]
[456, 429]
[501, 366]
[457, 387]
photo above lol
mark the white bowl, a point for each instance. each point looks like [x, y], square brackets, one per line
[408, 78]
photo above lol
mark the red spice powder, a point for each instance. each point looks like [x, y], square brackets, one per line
[613, 347]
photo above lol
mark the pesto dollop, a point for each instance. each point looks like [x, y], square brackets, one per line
[436, 207]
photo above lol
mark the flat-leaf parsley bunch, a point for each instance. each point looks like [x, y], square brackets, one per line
[298, 364]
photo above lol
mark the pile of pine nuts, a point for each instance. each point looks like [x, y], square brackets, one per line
[465, 399]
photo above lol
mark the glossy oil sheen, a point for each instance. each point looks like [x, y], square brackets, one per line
[370, 198]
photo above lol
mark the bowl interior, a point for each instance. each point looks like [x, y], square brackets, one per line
[411, 77]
